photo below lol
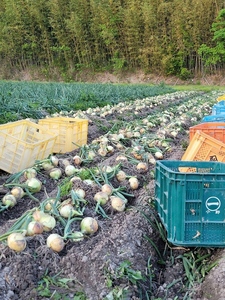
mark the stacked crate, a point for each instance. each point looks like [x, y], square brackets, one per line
[190, 193]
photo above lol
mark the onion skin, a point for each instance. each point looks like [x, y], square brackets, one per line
[55, 242]
[121, 176]
[70, 170]
[16, 241]
[142, 166]
[89, 225]
[77, 160]
[48, 222]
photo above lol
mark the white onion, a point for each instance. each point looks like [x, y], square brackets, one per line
[101, 197]
[34, 185]
[70, 170]
[34, 227]
[49, 204]
[66, 210]
[77, 236]
[16, 241]
[9, 200]
[77, 160]
[91, 154]
[55, 242]
[75, 178]
[54, 160]
[134, 183]
[48, 222]
[55, 173]
[121, 176]
[30, 173]
[47, 166]
[142, 166]
[89, 225]
[17, 192]
[80, 193]
[106, 188]
[117, 203]
[159, 155]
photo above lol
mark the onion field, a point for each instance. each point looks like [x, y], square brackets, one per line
[82, 224]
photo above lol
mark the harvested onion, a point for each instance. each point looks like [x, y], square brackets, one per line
[77, 160]
[34, 185]
[117, 203]
[101, 197]
[55, 173]
[55, 242]
[142, 166]
[134, 183]
[47, 221]
[34, 227]
[30, 173]
[121, 176]
[70, 170]
[106, 188]
[9, 200]
[17, 192]
[89, 225]
[16, 241]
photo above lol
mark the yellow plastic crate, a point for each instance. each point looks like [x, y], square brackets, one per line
[23, 142]
[221, 98]
[203, 147]
[71, 132]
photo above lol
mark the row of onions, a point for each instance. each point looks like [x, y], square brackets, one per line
[141, 142]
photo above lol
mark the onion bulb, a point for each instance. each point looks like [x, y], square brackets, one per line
[47, 221]
[34, 185]
[159, 155]
[106, 188]
[74, 178]
[70, 170]
[89, 225]
[121, 176]
[17, 192]
[101, 197]
[30, 173]
[47, 166]
[55, 242]
[37, 215]
[9, 200]
[55, 173]
[66, 210]
[142, 166]
[80, 193]
[54, 160]
[34, 227]
[77, 236]
[117, 203]
[134, 183]
[49, 204]
[16, 241]
[77, 160]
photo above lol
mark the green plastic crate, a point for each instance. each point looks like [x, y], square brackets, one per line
[191, 206]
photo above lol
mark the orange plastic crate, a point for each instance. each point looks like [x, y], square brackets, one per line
[71, 132]
[213, 129]
[23, 142]
[203, 147]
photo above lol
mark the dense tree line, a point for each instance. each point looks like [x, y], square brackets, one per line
[179, 37]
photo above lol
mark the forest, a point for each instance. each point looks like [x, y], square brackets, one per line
[173, 37]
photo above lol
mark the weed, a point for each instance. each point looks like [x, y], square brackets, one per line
[56, 288]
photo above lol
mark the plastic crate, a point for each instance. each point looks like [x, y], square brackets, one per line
[214, 129]
[204, 148]
[214, 118]
[23, 142]
[218, 108]
[71, 132]
[221, 98]
[191, 206]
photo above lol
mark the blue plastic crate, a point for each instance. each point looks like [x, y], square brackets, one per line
[214, 118]
[191, 205]
[218, 108]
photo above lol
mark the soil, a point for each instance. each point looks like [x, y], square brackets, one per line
[104, 265]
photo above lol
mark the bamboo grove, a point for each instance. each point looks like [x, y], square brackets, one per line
[175, 37]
